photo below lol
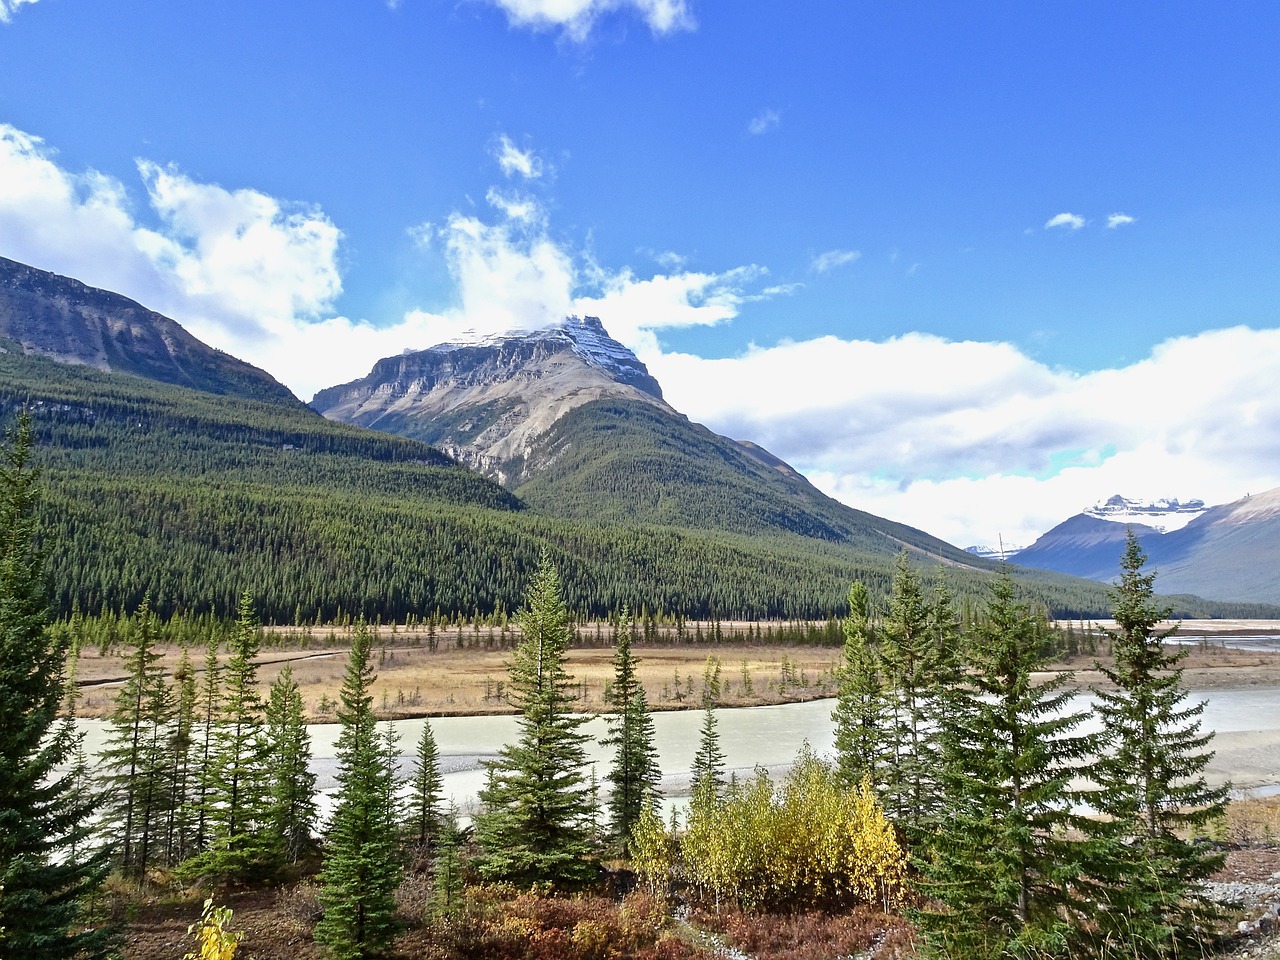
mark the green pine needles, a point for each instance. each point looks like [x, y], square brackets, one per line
[535, 820]
[998, 862]
[47, 870]
[634, 775]
[362, 866]
[1151, 787]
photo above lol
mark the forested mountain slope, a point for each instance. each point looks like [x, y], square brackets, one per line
[194, 496]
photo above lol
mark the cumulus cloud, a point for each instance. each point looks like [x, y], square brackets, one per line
[634, 308]
[1071, 221]
[1120, 220]
[973, 441]
[243, 271]
[9, 7]
[513, 160]
[763, 122]
[832, 259]
[576, 18]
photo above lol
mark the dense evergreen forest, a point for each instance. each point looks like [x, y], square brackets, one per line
[189, 497]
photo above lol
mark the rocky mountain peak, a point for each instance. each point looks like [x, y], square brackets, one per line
[484, 399]
[69, 322]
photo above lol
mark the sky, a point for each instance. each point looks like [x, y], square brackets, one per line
[971, 267]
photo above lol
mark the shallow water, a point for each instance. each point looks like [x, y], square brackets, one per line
[749, 736]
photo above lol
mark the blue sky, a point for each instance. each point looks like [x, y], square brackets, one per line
[970, 266]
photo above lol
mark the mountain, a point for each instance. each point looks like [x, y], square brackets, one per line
[486, 401]
[191, 496]
[62, 319]
[573, 423]
[1162, 515]
[1229, 552]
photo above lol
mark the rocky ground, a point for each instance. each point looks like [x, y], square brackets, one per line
[1251, 879]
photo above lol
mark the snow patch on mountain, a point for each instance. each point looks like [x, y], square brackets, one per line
[997, 552]
[586, 336]
[1164, 514]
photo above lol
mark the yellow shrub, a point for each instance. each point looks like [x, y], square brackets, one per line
[216, 940]
[810, 842]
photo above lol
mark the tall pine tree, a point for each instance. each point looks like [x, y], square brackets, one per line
[1152, 791]
[135, 763]
[634, 775]
[361, 869]
[913, 681]
[428, 791]
[47, 870]
[998, 862]
[293, 785]
[860, 712]
[535, 821]
[238, 811]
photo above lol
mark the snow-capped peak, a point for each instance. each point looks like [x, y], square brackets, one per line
[1164, 514]
[585, 336]
[994, 551]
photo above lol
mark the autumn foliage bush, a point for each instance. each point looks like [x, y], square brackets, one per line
[809, 843]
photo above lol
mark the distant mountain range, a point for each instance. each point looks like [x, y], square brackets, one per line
[178, 471]
[1229, 552]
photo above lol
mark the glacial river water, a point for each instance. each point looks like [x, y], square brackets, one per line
[1246, 721]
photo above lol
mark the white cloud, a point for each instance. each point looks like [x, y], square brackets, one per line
[9, 7]
[576, 18]
[764, 122]
[514, 206]
[242, 271]
[259, 259]
[833, 259]
[634, 308]
[1072, 221]
[1120, 220]
[513, 160]
[971, 441]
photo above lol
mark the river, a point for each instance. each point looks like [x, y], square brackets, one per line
[1246, 722]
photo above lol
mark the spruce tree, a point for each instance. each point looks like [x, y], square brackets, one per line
[237, 800]
[634, 775]
[428, 787]
[181, 840]
[47, 869]
[997, 861]
[860, 712]
[135, 762]
[706, 776]
[534, 825]
[293, 785]
[208, 709]
[912, 677]
[361, 869]
[1151, 786]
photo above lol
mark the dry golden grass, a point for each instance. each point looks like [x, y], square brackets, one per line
[467, 672]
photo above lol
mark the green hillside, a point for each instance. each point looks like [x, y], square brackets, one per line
[619, 460]
[193, 497]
